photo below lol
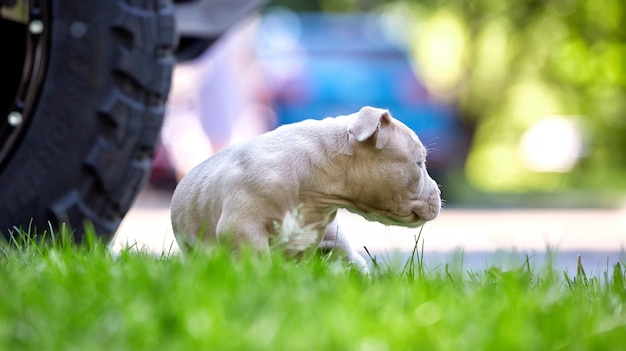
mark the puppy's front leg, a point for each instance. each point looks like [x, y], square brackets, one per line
[336, 241]
[240, 234]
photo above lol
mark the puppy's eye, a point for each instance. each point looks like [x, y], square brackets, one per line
[420, 164]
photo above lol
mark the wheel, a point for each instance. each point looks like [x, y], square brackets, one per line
[81, 109]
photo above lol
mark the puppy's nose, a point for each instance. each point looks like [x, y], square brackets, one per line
[436, 185]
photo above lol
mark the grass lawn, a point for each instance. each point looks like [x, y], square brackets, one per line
[69, 297]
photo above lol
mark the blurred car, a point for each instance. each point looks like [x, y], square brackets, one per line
[320, 65]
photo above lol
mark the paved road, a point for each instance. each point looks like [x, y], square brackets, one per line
[598, 235]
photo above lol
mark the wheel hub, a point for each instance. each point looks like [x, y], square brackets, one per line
[25, 28]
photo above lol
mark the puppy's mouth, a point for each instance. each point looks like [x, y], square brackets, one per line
[411, 220]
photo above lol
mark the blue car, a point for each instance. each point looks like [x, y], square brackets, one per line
[328, 65]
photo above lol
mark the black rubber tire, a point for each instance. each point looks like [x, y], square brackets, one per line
[88, 148]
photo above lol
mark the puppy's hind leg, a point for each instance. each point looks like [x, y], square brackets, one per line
[336, 242]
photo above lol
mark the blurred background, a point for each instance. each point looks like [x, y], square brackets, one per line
[521, 103]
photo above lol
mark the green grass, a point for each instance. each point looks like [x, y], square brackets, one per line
[62, 296]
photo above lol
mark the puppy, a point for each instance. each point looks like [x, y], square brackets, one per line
[299, 175]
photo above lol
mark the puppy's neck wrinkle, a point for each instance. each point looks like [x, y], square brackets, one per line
[324, 155]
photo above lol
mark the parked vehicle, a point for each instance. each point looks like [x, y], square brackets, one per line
[331, 64]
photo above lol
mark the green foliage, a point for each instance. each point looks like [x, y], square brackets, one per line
[81, 297]
[508, 65]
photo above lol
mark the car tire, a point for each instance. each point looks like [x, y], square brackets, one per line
[81, 147]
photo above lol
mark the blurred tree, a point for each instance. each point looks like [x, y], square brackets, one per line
[508, 66]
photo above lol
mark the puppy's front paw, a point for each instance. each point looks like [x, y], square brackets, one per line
[358, 262]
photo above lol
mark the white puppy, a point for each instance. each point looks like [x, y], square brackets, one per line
[366, 162]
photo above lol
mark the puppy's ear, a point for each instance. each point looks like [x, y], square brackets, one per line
[372, 124]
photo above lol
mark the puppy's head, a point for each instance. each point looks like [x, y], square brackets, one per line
[386, 175]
